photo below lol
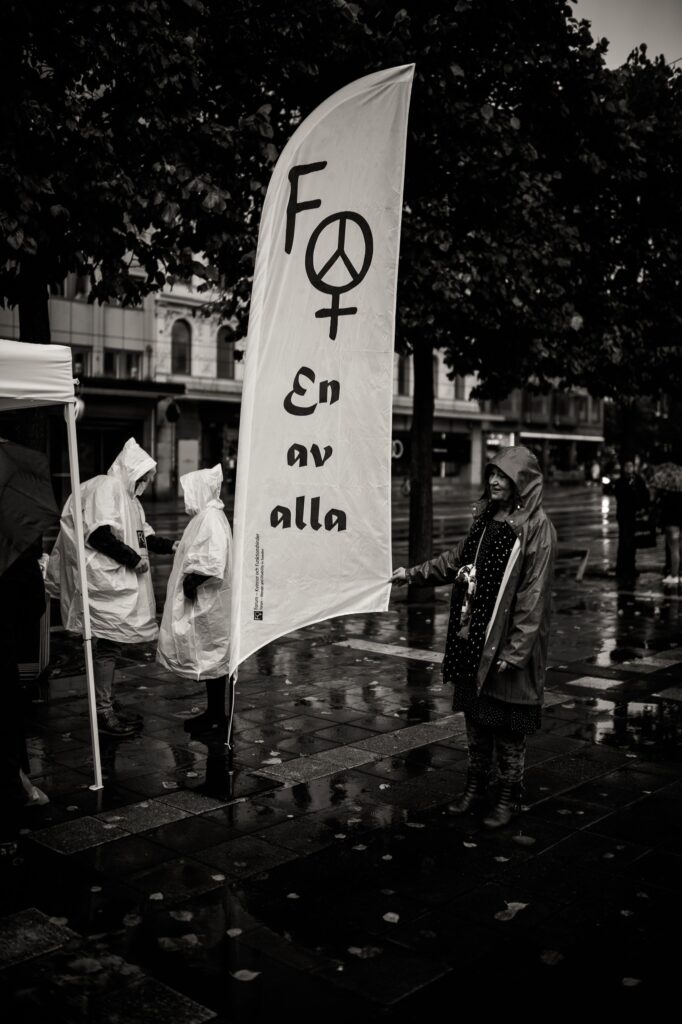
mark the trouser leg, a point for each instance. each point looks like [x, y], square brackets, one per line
[480, 739]
[215, 696]
[104, 663]
[12, 752]
[511, 757]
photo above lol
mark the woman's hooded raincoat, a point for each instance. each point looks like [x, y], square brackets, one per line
[194, 640]
[122, 606]
[518, 631]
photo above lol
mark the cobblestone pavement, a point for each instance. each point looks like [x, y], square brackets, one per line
[320, 872]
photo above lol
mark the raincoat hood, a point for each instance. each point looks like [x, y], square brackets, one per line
[520, 465]
[202, 489]
[130, 464]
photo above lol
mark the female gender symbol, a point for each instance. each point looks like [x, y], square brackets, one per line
[317, 278]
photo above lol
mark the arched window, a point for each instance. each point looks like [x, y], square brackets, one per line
[460, 388]
[403, 375]
[436, 372]
[225, 354]
[181, 347]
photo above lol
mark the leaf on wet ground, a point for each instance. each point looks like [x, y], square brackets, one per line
[58, 920]
[233, 932]
[85, 965]
[502, 860]
[95, 888]
[218, 878]
[384, 785]
[510, 913]
[551, 957]
[360, 847]
[191, 775]
[132, 920]
[293, 896]
[272, 760]
[387, 856]
[169, 785]
[340, 835]
[173, 944]
[631, 982]
[469, 846]
[181, 915]
[245, 975]
[627, 913]
[155, 895]
[391, 917]
[524, 840]
[365, 952]
[415, 824]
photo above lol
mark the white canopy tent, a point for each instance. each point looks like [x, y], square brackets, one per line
[31, 376]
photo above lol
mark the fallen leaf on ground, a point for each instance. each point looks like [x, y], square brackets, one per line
[510, 913]
[233, 932]
[169, 785]
[631, 982]
[293, 896]
[360, 847]
[245, 975]
[469, 846]
[365, 952]
[502, 860]
[218, 878]
[391, 918]
[132, 920]
[415, 824]
[181, 915]
[156, 896]
[551, 957]
[523, 840]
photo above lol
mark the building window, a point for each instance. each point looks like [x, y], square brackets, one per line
[81, 358]
[181, 348]
[225, 354]
[122, 364]
[460, 389]
[436, 373]
[403, 375]
[582, 402]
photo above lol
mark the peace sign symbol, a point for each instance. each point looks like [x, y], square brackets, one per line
[320, 278]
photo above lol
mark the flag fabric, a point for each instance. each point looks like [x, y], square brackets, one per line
[312, 523]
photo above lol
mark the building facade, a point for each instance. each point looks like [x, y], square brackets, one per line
[171, 377]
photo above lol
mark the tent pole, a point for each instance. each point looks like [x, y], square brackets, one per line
[70, 414]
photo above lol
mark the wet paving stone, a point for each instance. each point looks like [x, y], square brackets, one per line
[122, 858]
[80, 834]
[148, 1002]
[141, 817]
[244, 856]
[175, 881]
[29, 934]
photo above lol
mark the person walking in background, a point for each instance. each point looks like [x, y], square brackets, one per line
[667, 481]
[118, 540]
[194, 639]
[498, 633]
[631, 497]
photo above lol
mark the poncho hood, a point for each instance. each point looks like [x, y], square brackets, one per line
[202, 488]
[521, 466]
[130, 464]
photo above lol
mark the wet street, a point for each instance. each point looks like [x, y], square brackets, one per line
[319, 870]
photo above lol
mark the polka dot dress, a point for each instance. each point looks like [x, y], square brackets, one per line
[463, 654]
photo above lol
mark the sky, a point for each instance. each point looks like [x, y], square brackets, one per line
[626, 23]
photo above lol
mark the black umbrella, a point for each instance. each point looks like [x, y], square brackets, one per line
[27, 505]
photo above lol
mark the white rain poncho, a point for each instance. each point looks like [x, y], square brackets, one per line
[194, 640]
[122, 606]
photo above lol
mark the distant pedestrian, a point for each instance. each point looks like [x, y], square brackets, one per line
[498, 634]
[118, 539]
[667, 481]
[194, 640]
[632, 497]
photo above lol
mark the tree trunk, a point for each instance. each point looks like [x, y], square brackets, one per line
[421, 462]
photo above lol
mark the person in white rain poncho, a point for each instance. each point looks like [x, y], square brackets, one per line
[194, 640]
[118, 539]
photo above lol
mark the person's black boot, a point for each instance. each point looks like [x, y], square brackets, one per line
[474, 793]
[109, 724]
[206, 722]
[507, 806]
[126, 713]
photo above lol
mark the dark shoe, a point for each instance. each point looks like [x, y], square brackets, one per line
[205, 723]
[109, 724]
[474, 793]
[125, 713]
[507, 806]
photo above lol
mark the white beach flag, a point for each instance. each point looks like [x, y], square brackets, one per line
[312, 524]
